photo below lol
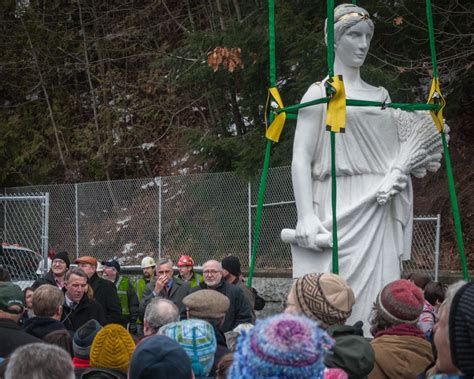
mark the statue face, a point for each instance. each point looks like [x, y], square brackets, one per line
[352, 47]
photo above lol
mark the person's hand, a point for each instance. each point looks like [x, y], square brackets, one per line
[306, 231]
[161, 282]
[394, 183]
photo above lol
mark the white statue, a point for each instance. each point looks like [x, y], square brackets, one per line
[375, 156]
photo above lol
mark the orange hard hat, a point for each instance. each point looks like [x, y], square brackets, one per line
[185, 260]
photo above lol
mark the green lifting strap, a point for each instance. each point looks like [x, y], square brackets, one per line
[410, 107]
[447, 158]
[266, 162]
[330, 55]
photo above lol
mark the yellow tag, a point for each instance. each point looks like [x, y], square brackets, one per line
[336, 113]
[274, 130]
[435, 97]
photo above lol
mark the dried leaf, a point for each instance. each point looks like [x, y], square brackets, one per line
[398, 20]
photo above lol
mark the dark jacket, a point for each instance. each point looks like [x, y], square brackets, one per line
[239, 311]
[11, 337]
[105, 293]
[179, 290]
[48, 278]
[40, 326]
[102, 373]
[86, 310]
[351, 352]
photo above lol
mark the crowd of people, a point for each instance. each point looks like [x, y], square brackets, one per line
[90, 321]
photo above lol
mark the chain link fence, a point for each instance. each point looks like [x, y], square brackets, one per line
[207, 216]
[24, 226]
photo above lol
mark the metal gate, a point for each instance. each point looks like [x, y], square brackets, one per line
[24, 232]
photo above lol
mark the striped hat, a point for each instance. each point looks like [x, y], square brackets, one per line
[461, 329]
[198, 339]
[285, 345]
[326, 298]
[400, 302]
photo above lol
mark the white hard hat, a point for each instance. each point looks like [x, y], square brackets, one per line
[148, 262]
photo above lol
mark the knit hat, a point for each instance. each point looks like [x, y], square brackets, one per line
[198, 339]
[232, 264]
[400, 302]
[87, 259]
[64, 257]
[461, 329]
[10, 295]
[206, 304]
[159, 357]
[112, 348]
[326, 298]
[285, 345]
[112, 263]
[83, 338]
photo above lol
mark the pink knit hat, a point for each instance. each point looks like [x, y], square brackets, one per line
[401, 302]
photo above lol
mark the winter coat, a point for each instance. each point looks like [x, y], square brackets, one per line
[86, 310]
[239, 311]
[179, 290]
[102, 373]
[105, 293]
[11, 337]
[352, 352]
[41, 326]
[48, 278]
[400, 356]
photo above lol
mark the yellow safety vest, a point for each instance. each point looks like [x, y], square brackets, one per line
[122, 288]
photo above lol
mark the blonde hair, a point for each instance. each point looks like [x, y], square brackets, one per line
[46, 300]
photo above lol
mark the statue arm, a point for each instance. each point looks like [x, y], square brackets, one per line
[304, 147]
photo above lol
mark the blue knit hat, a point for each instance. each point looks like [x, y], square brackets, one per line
[284, 345]
[198, 339]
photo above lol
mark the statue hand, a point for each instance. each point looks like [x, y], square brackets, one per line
[394, 183]
[306, 231]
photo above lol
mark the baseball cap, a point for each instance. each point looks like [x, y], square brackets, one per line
[10, 295]
[112, 263]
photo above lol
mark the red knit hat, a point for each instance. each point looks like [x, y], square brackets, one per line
[401, 302]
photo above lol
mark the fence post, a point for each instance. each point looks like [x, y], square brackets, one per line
[438, 237]
[45, 231]
[250, 219]
[77, 221]
[158, 182]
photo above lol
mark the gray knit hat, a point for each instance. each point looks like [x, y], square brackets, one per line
[83, 338]
[461, 329]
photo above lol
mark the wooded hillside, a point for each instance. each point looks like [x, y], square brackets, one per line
[97, 90]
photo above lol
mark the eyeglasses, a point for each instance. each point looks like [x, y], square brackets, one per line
[161, 272]
[211, 272]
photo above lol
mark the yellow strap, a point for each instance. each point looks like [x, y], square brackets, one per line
[435, 97]
[274, 130]
[336, 113]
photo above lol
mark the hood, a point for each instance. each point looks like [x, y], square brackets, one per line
[351, 352]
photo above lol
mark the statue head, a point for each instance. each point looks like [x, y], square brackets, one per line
[346, 16]
[353, 31]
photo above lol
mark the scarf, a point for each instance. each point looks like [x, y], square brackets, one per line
[401, 330]
[81, 363]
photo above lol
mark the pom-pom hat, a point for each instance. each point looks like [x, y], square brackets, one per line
[285, 345]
